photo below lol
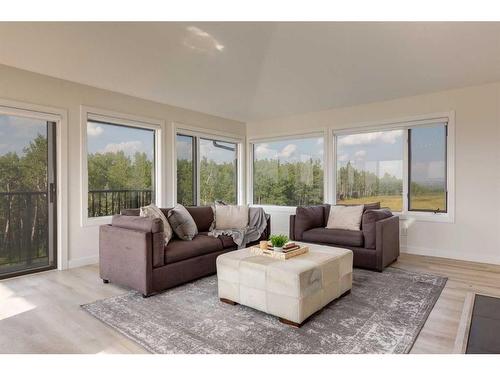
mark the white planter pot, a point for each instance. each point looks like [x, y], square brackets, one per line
[278, 249]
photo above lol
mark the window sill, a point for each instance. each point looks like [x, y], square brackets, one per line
[426, 216]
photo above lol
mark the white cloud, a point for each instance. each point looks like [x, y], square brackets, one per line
[263, 151]
[288, 151]
[389, 137]
[94, 130]
[128, 148]
[360, 154]
[343, 157]
[319, 142]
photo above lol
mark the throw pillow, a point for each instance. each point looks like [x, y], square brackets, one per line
[345, 217]
[231, 217]
[182, 223]
[152, 211]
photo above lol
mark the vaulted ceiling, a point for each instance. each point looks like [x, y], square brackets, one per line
[253, 71]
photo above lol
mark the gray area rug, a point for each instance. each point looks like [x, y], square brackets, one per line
[383, 314]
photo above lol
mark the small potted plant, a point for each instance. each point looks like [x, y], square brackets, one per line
[278, 241]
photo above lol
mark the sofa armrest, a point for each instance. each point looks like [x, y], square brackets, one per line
[139, 223]
[125, 257]
[291, 230]
[387, 242]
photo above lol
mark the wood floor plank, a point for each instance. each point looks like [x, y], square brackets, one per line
[41, 313]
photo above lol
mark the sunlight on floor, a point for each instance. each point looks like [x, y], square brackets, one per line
[11, 305]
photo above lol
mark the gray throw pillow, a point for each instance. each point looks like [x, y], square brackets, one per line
[182, 223]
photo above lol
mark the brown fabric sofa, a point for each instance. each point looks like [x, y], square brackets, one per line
[375, 246]
[132, 251]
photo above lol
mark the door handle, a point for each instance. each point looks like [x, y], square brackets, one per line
[52, 192]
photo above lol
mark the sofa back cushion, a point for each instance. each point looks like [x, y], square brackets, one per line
[369, 225]
[203, 216]
[307, 218]
[231, 217]
[182, 223]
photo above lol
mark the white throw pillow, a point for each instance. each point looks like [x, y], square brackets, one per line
[153, 212]
[231, 217]
[345, 217]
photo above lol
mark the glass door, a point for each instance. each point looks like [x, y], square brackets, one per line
[27, 195]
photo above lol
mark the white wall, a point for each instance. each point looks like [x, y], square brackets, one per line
[34, 88]
[475, 234]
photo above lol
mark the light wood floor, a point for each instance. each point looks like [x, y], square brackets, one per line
[41, 313]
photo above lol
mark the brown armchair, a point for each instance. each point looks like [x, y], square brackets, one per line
[375, 245]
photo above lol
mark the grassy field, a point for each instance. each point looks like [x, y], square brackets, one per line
[395, 202]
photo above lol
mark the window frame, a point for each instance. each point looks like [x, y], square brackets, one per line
[405, 124]
[117, 119]
[250, 169]
[200, 133]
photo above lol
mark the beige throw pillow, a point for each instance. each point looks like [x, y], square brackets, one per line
[152, 211]
[231, 217]
[345, 217]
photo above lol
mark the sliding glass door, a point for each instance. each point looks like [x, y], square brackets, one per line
[27, 195]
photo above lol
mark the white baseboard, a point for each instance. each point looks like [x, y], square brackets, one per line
[449, 254]
[80, 262]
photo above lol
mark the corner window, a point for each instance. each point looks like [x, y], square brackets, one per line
[207, 170]
[404, 168]
[288, 172]
[120, 167]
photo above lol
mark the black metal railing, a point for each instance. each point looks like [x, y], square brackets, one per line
[111, 202]
[24, 238]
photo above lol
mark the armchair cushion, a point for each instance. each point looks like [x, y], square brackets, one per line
[334, 236]
[307, 218]
[368, 225]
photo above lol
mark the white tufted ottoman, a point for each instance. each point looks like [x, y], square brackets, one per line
[291, 289]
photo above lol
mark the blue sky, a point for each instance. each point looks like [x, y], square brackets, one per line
[16, 133]
[382, 152]
[103, 138]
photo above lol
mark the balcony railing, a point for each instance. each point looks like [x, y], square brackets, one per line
[111, 202]
[24, 238]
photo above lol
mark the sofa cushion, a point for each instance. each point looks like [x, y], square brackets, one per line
[345, 217]
[307, 218]
[153, 212]
[369, 225]
[178, 250]
[203, 216]
[182, 223]
[231, 216]
[334, 236]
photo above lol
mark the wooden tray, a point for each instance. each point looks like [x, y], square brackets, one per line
[277, 255]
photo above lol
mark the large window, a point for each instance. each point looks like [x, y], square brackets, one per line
[120, 165]
[207, 170]
[427, 170]
[288, 172]
[371, 167]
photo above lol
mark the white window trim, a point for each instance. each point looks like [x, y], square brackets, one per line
[199, 132]
[117, 118]
[60, 117]
[284, 137]
[405, 123]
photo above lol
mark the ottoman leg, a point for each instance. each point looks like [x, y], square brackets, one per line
[228, 301]
[290, 323]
